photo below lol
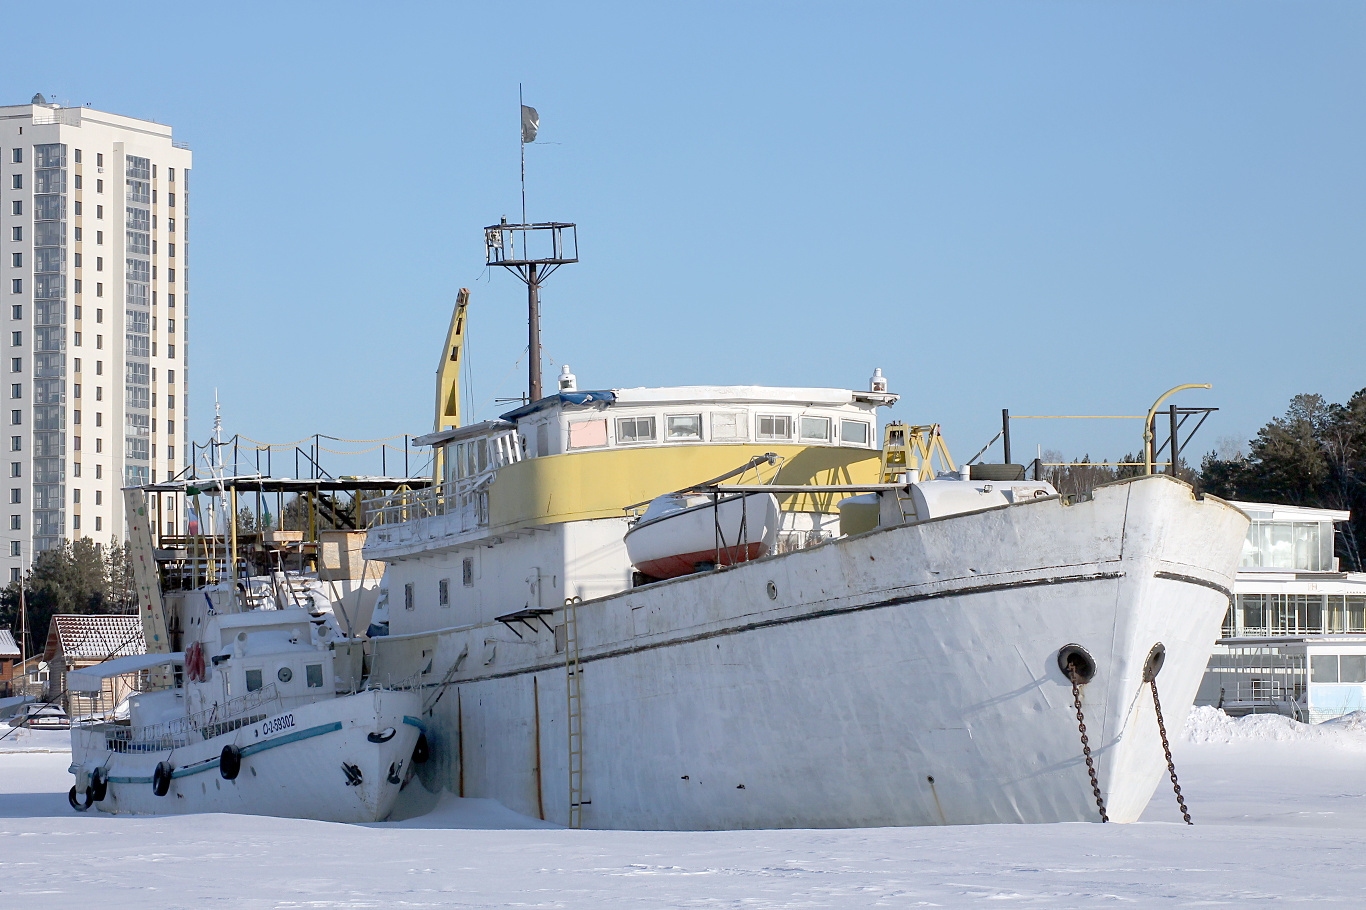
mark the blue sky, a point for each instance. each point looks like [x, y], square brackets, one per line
[1060, 208]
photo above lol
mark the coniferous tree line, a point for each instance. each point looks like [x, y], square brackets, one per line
[79, 576]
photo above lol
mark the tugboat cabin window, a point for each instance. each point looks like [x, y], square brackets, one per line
[314, 674]
[443, 592]
[1353, 668]
[635, 429]
[542, 440]
[253, 680]
[1323, 668]
[408, 596]
[687, 426]
[584, 434]
[816, 429]
[467, 572]
[854, 431]
[774, 426]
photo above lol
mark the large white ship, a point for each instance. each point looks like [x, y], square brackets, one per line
[913, 663]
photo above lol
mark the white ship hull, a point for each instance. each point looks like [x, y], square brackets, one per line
[292, 764]
[906, 676]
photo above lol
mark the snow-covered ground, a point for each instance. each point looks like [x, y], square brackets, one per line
[1280, 812]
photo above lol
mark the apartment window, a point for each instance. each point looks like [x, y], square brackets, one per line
[18, 181]
[170, 453]
[76, 446]
[15, 493]
[99, 447]
[170, 225]
[170, 175]
[99, 238]
[76, 390]
[17, 285]
[99, 213]
[99, 315]
[467, 572]
[18, 156]
[16, 469]
[16, 443]
[170, 301]
[78, 156]
[170, 428]
[78, 281]
[443, 592]
[170, 326]
[16, 207]
[14, 523]
[76, 336]
[99, 471]
[99, 419]
[77, 238]
[78, 364]
[14, 549]
[16, 311]
[16, 338]
[99, 523]
[78, 181]
[99, 495]
[635, 429]
[75, 522]
[774, 426]
[16, 364]
[78, 311]
[170, 250]
[76, 497]
[815, 429]
[99, 186]
[16, 232]
[99, 393]
[99, 263]
[99, 289]
[99, 342]
[78, 207]
[170, 274]
[16, 390]
[76, 415]
[99, 367]
[170, 200]
[16, 418]
[16, 260]
[408, 596]
[99, 159]
[76, 472]
[78, 260]
[14, 570]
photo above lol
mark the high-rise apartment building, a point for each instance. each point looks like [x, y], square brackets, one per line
[94, 229]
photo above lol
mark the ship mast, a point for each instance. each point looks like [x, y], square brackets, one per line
[556, 243]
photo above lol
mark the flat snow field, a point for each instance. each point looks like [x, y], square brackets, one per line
[1280, 812]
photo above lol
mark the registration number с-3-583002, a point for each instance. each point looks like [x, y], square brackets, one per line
[276, 724]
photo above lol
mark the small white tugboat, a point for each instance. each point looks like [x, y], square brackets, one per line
[266, 711]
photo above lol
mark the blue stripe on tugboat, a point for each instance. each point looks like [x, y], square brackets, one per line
[212, 763]
[414, 722]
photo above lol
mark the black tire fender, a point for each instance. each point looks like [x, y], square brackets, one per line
[161, 778]
[382, 736]
[421, 752]
[99, 784]
[230, 762]
[76, 800]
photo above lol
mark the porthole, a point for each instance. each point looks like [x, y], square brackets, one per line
[285, 674]
[772, 591]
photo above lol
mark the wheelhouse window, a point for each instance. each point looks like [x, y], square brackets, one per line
[1323, 668]
[729, 426]
[774, 426]
[815, 429]
[313, 673]
[253, 680]
[585, 434]
[854, 432]
[408, 596]
[684, 426]
[635, 429]
[443, 592]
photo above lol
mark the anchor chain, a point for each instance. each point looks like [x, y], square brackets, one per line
[1086, 746]
[1167, 749]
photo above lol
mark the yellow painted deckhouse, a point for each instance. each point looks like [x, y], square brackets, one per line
[532, 508]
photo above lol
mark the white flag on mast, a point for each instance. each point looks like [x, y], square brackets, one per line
[531, 122]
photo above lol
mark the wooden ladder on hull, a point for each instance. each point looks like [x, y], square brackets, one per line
[573, 682]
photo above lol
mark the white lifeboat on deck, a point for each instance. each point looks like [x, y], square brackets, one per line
[681, 533]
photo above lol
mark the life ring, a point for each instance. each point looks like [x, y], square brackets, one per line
[420, 751]
[75, 800]
[230, 762]
[99, 784]
[161, 778]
